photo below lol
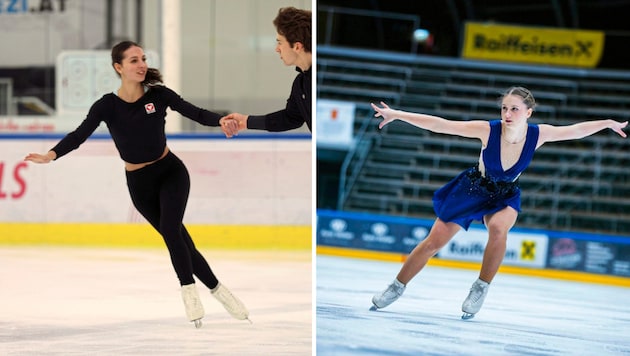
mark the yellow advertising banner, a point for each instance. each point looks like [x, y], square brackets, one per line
[578, 48]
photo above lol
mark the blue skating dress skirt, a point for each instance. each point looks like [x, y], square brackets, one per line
[469, 197]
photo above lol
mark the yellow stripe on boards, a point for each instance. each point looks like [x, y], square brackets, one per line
[143, 235]
[355, 253]
[533, 272]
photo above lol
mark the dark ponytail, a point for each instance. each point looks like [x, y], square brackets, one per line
[153, 77]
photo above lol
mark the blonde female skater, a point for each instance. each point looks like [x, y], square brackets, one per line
[489, 191]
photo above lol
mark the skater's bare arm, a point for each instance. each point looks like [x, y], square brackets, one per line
[471, 129]
[550, 133]
[39, 158]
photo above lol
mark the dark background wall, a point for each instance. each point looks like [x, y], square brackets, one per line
[445, 19]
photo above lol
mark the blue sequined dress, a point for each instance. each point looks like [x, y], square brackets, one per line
[469, 196]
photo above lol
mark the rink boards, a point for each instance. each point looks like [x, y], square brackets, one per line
[241, 193]
[565, 255]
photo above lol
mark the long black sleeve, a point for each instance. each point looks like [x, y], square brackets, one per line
[294, 115]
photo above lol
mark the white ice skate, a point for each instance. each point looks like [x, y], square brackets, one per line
[388, 296]
[192, 303]
[233, 305]
[475, 299]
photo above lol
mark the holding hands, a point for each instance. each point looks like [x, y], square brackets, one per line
[232, 123]
[228, 126]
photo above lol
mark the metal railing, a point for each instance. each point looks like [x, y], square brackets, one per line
[353, 163]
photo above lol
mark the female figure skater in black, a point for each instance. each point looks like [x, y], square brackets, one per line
[158, 181]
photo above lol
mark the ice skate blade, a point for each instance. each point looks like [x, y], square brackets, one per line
[467, 316]
[198, 323]
[373, 308]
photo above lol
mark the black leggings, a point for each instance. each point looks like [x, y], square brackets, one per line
[160, 192]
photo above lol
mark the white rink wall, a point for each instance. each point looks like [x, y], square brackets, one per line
[244, 181]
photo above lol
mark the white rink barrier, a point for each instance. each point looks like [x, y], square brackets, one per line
[241, 181]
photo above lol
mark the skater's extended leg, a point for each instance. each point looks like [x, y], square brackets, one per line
[439, 235]
[201, 268]
[498, 225]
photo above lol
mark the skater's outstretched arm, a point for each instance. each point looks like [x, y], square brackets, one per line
[550, 133]
[471, 129]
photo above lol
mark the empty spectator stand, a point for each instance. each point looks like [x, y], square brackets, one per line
[580, 185]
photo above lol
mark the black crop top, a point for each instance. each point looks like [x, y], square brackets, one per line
[137, 128]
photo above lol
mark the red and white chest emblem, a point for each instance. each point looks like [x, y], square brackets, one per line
[149, 108]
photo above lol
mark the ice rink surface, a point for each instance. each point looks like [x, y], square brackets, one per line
[91, 301]
[521, 315]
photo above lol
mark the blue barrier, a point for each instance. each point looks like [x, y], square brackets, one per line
[571, 251]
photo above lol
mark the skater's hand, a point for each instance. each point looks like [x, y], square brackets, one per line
[385, 112]
[39, 158]
[618, 127]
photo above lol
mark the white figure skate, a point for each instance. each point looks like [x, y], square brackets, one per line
[388, 296]
[232, 304]
[192, 303]
[474, 301]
